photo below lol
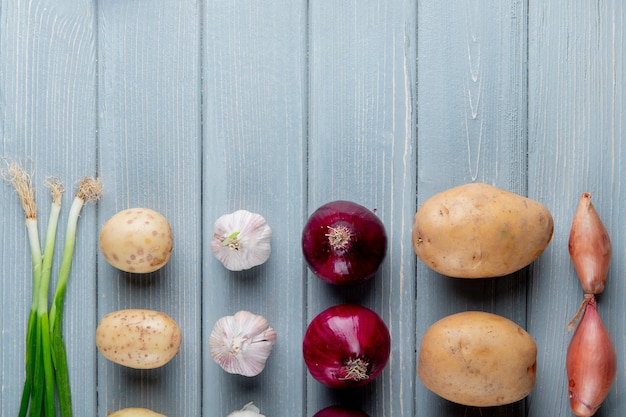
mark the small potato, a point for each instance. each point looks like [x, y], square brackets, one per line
[480, 231]
[137, 240]
[140, 339]
[135, 412]
[478, 359]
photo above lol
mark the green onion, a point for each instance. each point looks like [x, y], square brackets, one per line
[17, 176]
[45, 359]
[88, 191]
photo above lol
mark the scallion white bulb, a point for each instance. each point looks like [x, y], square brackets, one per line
[241, 240]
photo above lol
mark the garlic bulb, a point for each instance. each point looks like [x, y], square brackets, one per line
[241, 344]
[241, 240]
[248, 410]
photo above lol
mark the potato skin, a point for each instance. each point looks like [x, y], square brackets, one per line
[137, 240]
[135, 412]
[478, 359]
[480, 231]
[139, 339]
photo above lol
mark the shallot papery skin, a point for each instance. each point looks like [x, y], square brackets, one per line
[589, 246]
[241, 344]
[591, 363]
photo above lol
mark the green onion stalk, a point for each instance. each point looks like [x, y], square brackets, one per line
[89, 190]
[42, 305]
[20, 179]
[45, 359]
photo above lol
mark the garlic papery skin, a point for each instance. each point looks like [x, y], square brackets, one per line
[241, 240]
[241, 344]
[248, 410]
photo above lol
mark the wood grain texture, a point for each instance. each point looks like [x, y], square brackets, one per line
[150, 156]
[199, 108]
[47, 122]
[471, 95]
[254, 153]
[576, 119]
[362, 148]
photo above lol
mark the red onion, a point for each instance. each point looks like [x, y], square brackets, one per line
[589, 246]
[591, 362]
[339, 411]
[344, 243]
[346, 346]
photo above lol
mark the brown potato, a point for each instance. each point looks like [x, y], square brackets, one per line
[135, 412]
[140, 339]
[480, 231]
[478, 359]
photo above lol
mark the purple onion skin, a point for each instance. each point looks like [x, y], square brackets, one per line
[340, 411]
[346, 346]
[352, 261]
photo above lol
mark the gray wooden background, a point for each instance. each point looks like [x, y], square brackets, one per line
[199, 108]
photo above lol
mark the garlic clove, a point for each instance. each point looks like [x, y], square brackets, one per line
[248, 410]
[241, 344]
[241, 240]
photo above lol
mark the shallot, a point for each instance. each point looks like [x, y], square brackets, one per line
[589, 246]
[591, 362]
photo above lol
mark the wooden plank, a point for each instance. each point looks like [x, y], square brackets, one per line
[471, 94]
[47, 122]
[576, 129]
[361, 148]
[150, 156]
[254, 154]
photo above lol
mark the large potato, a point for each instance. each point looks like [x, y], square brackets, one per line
[478, 359]
[479, 231]
[135, 412]
[140, 339]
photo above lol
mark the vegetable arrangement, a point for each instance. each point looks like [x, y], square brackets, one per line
[45, 358]
[591, 360]
[473, 358]
[479, 231]
[343, 243]
[346, 345]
